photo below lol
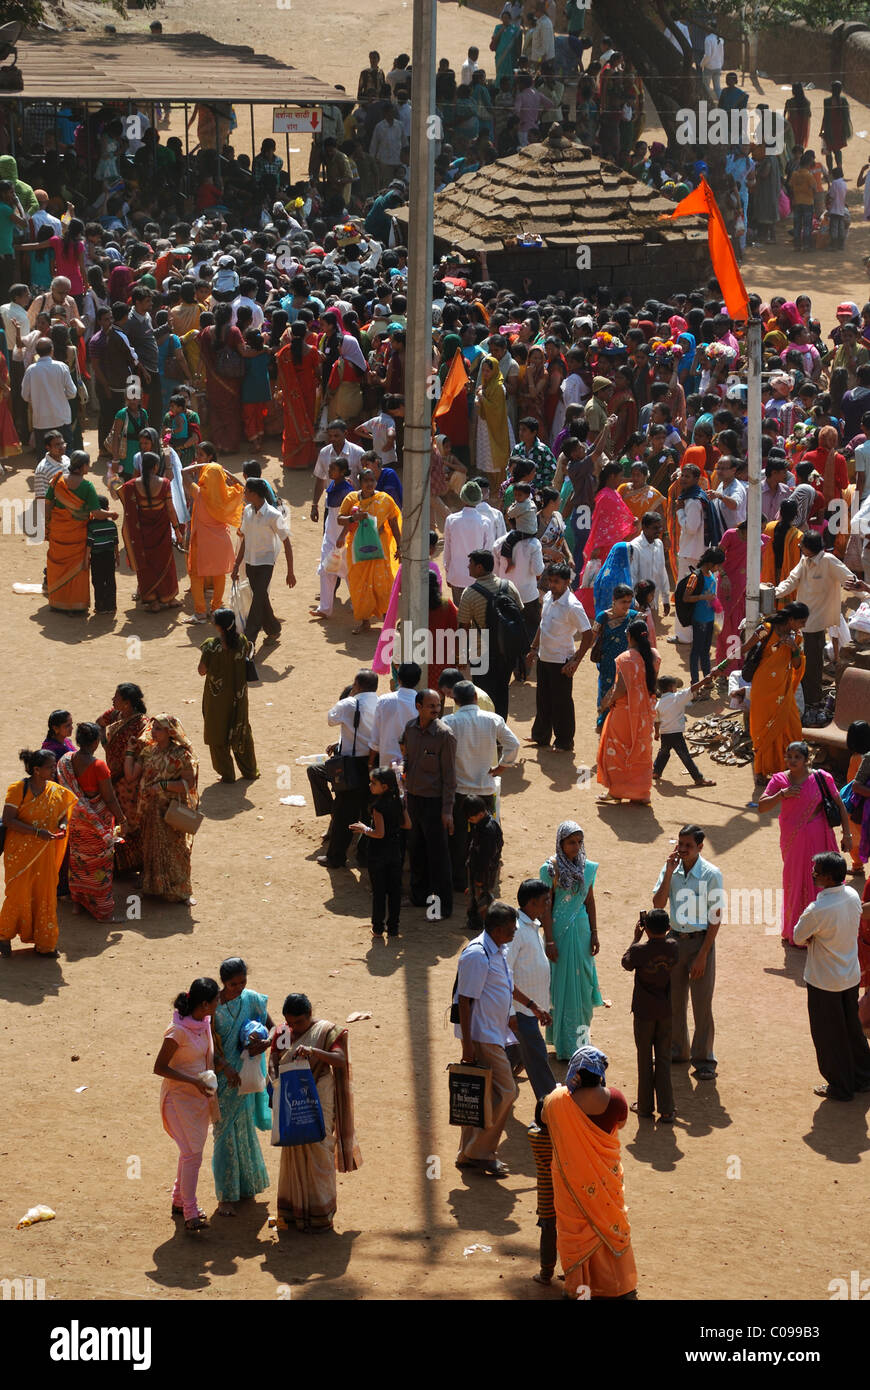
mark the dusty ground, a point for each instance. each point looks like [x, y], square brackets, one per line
[737, 1201]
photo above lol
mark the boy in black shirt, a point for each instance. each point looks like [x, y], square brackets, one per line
[485, 841]
[652, 962]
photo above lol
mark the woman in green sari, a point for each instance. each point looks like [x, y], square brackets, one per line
[70, 503]
[571, 936]
[225, 699]
[506, 37]
[237, 1161]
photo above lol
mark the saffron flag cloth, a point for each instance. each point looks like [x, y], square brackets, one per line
[702, 202]
[450, 415]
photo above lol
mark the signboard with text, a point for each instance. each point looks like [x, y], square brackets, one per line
[295, 120]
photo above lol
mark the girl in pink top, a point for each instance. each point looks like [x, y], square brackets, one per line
[187, 1104]
[69, 256]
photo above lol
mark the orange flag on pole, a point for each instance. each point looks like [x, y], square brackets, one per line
[702, 202]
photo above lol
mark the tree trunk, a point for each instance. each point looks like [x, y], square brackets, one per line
[668, 75]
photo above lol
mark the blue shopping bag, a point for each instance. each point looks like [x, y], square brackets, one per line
[297, 1117]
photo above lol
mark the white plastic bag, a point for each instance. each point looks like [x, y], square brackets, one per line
[860, 619]
[333, 561]
[252, 1076]
[241, 599]
[590, 570]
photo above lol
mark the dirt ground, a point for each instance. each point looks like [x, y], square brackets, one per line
[735, 1201]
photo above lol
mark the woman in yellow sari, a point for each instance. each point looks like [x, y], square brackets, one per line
[592, 1232]
[368, 518]
[307, 1191]
[774, 721]
[215, 514]
[494, 438]
[70, 503]
[35, 815]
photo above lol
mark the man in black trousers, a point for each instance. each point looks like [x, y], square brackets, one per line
[429, 749]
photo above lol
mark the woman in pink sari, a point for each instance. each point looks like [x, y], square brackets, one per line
[803, 828]
[612, 522]
[92, 826]
[187, 1103]
[732, 596]
[625, 751]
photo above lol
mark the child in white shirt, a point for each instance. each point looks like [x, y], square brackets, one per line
[670, 725]
[382, 431]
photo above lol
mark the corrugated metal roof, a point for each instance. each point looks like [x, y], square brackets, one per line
[166, 67]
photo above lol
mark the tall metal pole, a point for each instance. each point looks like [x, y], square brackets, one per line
[414, 600]
[753, 507]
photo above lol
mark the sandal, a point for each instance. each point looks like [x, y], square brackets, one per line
[643, 1114]
[669, 1118]
[195, 1225]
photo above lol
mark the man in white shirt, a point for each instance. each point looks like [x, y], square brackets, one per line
[646, 559]
[394, 710]
[247, 290]
[829, 930]
[531, 971]
[464, 531]
[469, 67]
[54, 462]
[388, 139]
[731, 494]
[490, 513]
[403, 111]
[42, 217]
[338, 446]
[563, 618]
[355, 717]
[816, 580]
[48, 388]
[542, 45]
[690, 515]
[16, 325]
[713, 62]
[264, 530]
[484, 745]
[528, 566]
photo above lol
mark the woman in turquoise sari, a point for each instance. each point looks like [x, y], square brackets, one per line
[507, 36]
[237, 1162]
[611, 639]
[571, 935]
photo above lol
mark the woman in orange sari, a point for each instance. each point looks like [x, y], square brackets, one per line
[70, 503]
[592, 1231]
[299, 375]
[626, 747]
[218, 500]
[774, 721]
[10, 445]
[371, 524]
[35, 814]
[783, 548]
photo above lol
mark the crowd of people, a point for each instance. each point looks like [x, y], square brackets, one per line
[588, 482]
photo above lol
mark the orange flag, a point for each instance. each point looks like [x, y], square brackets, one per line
[702, 202]
[451, 411]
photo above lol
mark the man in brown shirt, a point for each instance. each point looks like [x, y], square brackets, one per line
[429, 749]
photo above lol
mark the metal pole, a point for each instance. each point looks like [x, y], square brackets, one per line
[753, 507]
[414, 599]
[287, 153]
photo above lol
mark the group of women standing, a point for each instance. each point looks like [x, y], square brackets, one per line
[203, 1053]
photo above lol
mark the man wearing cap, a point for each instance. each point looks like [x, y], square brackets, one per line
[465, 531]
[595, 408]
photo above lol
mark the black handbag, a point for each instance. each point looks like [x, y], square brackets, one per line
[829, 805]
[251, 673]
[20, 804]
[342, 769]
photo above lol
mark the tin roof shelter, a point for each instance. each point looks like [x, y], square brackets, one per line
[163, 67]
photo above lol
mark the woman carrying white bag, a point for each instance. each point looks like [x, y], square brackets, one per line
[242, 1031]
[333, 551]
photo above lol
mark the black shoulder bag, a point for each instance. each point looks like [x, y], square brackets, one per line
[341, 769]
[829, 805]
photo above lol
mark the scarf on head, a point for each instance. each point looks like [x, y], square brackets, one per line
[223, 500]
[451, 343]
[352, 352]
[568, 873]
[496, 420]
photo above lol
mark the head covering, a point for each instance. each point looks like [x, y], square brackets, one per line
[176, 732]
[790, 312]
[677, 324]
[847, 307]
[615, 570]
[586, 1058]
[782, 382]
[568, 873]
[496, 418]
[470, 494]
[223, 501]
[352, 352]
[600, 382]
[451, 343]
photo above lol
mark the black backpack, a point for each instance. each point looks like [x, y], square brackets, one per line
[685, 611]
[505, 621]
